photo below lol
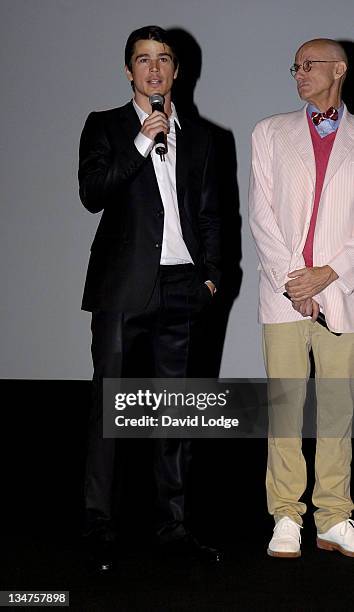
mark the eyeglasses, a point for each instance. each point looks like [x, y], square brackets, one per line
[307, 65]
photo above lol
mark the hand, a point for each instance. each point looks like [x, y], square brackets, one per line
[210, 286]
[308, 308]
[309, 281]
[154, 124]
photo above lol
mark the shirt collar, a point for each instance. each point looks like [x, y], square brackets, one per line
[143, 115]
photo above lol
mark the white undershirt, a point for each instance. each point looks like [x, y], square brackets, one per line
[174, 250]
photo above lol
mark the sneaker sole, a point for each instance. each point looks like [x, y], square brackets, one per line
[284, 555]
[326, 545]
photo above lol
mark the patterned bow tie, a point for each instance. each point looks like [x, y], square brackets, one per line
[331, 113]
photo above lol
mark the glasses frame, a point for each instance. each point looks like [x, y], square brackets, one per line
[307, 65]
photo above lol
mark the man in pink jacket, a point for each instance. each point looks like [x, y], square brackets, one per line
[302, 220]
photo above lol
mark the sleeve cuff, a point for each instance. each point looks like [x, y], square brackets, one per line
[210, 281]
[143, 144]
[343, 268]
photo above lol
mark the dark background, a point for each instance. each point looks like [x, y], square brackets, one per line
[42, 456]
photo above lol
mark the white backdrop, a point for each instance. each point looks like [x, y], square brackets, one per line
[64, 58]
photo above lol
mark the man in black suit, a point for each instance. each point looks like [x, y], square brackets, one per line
[153, 265]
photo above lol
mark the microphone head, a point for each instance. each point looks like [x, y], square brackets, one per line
[157, 98]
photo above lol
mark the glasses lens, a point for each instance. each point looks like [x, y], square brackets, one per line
[293, 70]
[307, 65]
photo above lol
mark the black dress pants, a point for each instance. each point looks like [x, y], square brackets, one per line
[157, 342]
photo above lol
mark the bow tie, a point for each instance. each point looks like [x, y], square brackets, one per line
[331, 113]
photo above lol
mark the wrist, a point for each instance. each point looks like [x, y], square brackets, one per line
[211, 286]
[332, 274]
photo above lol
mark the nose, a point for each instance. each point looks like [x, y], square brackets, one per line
[154, 66]
[299, 73]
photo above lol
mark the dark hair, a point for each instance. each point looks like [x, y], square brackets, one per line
[152, 32]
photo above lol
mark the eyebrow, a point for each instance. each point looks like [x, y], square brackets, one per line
[148, 55]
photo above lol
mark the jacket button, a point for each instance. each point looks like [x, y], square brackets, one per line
[160, 213]
[157, 245]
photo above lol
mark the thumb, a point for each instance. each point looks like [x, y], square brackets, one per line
[315, 310]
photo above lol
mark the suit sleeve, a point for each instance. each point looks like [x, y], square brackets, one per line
[273, 253]
[343, 265]
[209, 217]
[101, 169]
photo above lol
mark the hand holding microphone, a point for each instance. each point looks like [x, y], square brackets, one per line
[320, 317]
[156, 126]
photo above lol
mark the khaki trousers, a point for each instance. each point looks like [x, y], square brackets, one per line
[286, 349]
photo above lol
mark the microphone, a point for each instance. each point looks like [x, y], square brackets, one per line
[321, 319]
[157, 102]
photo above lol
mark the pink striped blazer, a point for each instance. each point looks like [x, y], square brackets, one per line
[281, 194]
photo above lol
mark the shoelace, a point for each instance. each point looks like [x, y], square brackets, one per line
[349, 523]
[284, 526]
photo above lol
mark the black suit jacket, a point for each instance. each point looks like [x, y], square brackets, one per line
[116, 178]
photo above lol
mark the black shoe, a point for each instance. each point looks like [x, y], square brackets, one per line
[99, 541]
[188, 546]
[102, 558]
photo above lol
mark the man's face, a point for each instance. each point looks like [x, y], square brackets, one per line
[152, 69]
[320, 82]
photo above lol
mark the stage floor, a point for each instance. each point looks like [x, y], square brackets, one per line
[43, 452]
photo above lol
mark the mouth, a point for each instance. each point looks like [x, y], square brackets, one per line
[155, 82]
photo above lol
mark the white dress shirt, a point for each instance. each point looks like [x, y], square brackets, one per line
[174, 250]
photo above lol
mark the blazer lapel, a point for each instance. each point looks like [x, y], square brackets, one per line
[343, 144]
[132, 123]
[299, 134]
[182, 159]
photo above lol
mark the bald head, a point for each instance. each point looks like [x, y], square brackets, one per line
[320, 69]
[331, 47]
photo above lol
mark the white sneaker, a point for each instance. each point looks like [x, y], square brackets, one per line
[286, 539]
[339, 537]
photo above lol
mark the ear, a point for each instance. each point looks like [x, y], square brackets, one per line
[341, 68]
[128, 73]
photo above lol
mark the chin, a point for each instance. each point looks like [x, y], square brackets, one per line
[303, 95]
